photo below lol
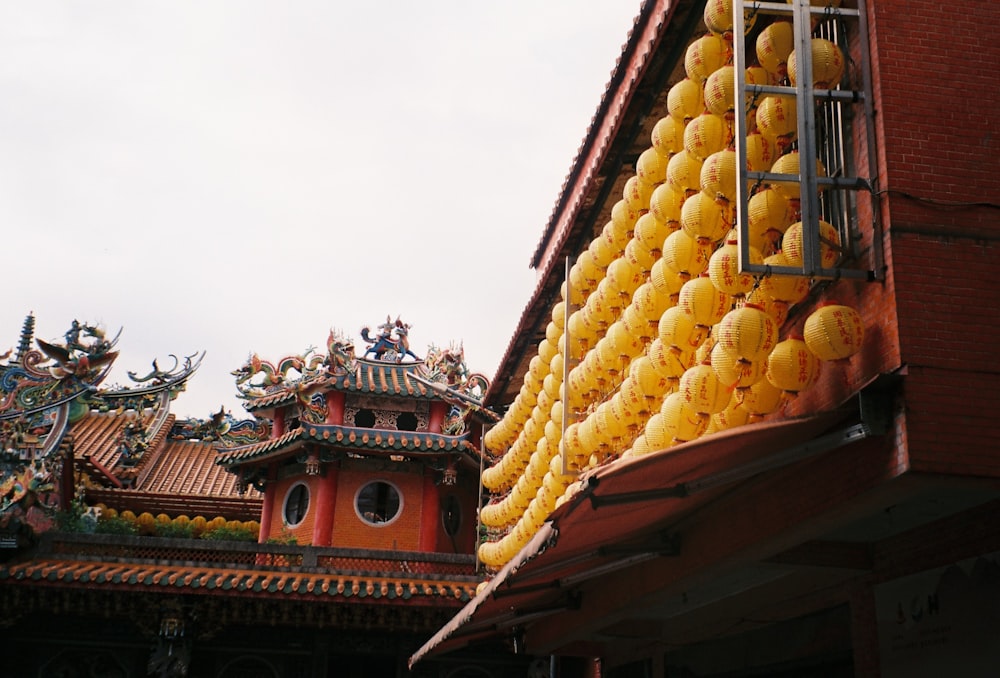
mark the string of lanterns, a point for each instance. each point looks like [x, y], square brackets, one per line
[670, 341]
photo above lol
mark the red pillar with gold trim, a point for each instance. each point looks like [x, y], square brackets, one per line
[436, 416]
[326, 500]
[268, 507]
[429, 513]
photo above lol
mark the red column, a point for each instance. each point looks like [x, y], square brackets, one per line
[268, 508]
[436, 417]
[335, 407]
[429, 513]
[326, 499]
[278, 429]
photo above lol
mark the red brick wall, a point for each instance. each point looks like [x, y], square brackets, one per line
[349, 531]
[302, 532]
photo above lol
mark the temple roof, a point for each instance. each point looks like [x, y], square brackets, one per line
[348, 438]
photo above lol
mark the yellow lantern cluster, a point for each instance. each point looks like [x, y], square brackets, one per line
[667, 340]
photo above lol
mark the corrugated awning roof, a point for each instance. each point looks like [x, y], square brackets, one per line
[624, 513]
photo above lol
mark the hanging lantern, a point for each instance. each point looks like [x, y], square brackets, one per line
[704, 56]
[790, 289]
[624, 217]
[626, 344]
[703, 219]
[703, 391]
[668, 136]
[636, 324]
[651, 384]
[639, 256]
[665, 205]
[666, 280]
[600, 250]
[680, 420]
[683, 254]
[656, 433]
[789, 164]
[777, 120]
[761, 399]
[755, 75]
[651, 167]
[792, 367]
[706, 134]
[734, 415]
[589, 270]
[624, 276]
[827, 65]
[636, 193]
[538, 369]
[718, 17]
[718, 179]
[768, 217]
[734, 372]
[650, 303]
[685, 100]
[761, 152]
[684, 173]
[829, 244]
[669, 362]
[677, 328]
[747, 333]
[834, 332]
[774, 45]
[703, 301]
[776, 309]
[723, 269]
[720, 92]
[650, 232]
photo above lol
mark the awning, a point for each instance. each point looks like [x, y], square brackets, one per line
[627, 512]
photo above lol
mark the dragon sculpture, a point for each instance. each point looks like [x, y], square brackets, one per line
[273, 378]
[340, 358]
[463, 390]
[392, 342]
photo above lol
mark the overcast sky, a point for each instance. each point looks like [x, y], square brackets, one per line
[241, 177]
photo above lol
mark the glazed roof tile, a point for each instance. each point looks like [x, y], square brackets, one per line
[349, 437]
[257, 583]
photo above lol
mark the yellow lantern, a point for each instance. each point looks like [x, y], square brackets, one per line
[703, 391]
[761, 152]
[755, 75]
[589, 269]
[769, 215]
[777, 120]
[734, 372]
[790, 289]
[829, 244]
[669, 362]
[676, 328]
[616, 235]
[761, 399]
[668, 136]
[651, 167]
[774, 45]
[724, 269]
[637, 325]
[665, 205]
[789, 164]
[650, 303]
[700, 298]
[640, 257]
[683, 254]
[666, 281]
[706, 55]
[636, 193]
[601, 252]
[827, 65]
[718, 178]
[685, 100]
[656, 433]
[649, 382]
[706, 134]
[747, 333]
[684, 173]
[834, 332]
[734, 415]
[626, 344]
[624, 217]
[703, 219]
[680, 420]
[720, 92]
[792, 367]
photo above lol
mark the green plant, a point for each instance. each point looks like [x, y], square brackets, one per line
[175, 530]
[116, 525]
[225, 533]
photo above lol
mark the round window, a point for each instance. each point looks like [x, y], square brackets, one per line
[378, 503]
[296, 504]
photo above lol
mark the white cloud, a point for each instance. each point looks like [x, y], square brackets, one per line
[242, 176]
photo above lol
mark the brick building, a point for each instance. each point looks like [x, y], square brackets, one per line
[849, 531]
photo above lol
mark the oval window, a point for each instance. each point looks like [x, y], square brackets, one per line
[296, 504]
[378, 503]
